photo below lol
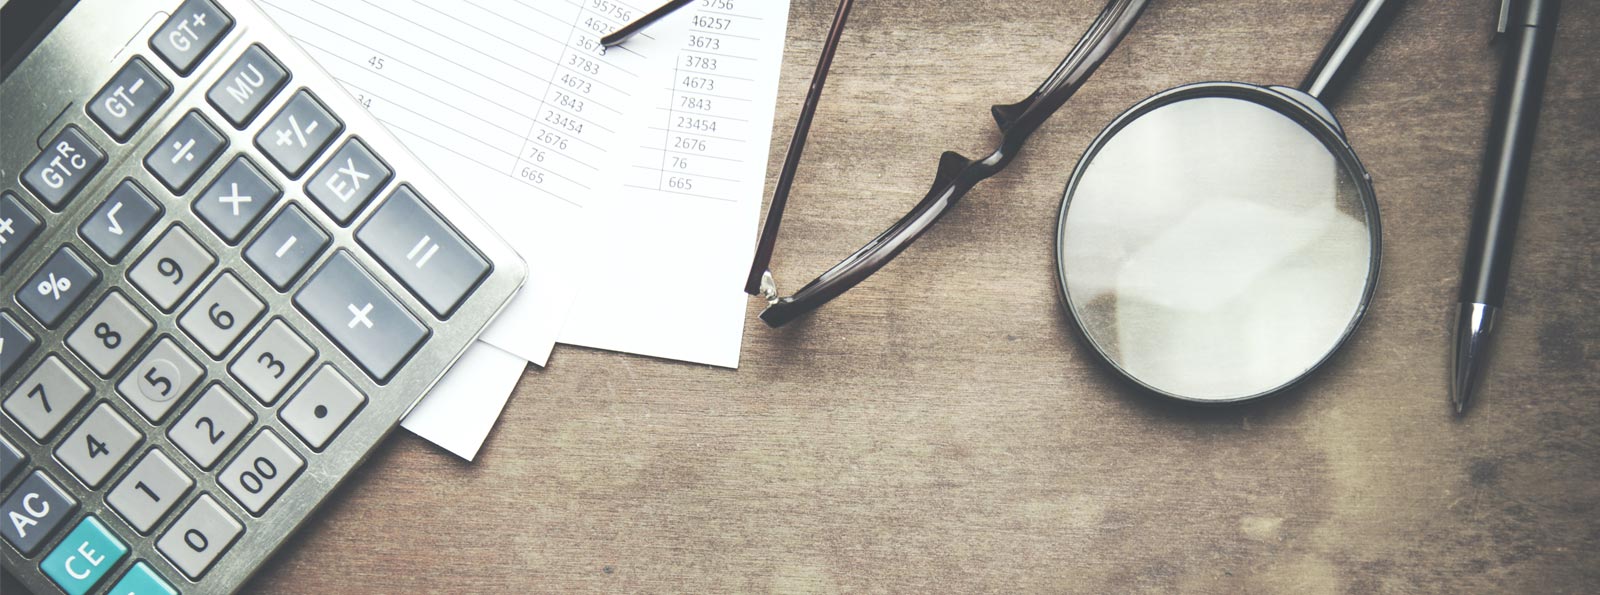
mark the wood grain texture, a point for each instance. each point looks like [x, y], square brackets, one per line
[940, 429]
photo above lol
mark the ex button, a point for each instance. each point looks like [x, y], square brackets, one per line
[365, 321]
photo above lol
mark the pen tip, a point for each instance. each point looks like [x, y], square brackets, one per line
[1473, 325]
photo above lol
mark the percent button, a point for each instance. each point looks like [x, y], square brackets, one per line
[57, 287]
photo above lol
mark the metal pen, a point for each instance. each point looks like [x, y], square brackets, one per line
[1531, 27]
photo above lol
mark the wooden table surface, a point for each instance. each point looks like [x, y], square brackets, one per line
[940, 428]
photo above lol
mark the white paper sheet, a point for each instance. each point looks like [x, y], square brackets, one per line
[675, 241]
[464, 405]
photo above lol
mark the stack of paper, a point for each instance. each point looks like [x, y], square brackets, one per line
[629, 179]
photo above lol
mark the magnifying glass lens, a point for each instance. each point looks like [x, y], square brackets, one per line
[1215, 249]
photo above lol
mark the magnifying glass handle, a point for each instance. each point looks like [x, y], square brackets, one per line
[1350, 44]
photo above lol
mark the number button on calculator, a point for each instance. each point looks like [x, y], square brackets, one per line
[149, 491]
[66, 164]
[46, 397]
[298, 133]
[120, 221]
[271, 361]
[128, 100]
[171, 269]
[109, 333]
[261, 471]
[161, 379]
[213, 423]
[363, 318]
[34, 511]
[98, 445]
[189, 33]
[202, 533]
[222, 313]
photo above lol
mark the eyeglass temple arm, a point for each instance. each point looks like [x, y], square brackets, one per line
[957, 174]
[621, 35]
[1361, 29]
[797, 145]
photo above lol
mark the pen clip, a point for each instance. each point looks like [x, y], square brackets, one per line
[1504, 23]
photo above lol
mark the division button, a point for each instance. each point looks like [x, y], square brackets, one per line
[128, 100]
[363, 318]
[428, 256]
[184, 152]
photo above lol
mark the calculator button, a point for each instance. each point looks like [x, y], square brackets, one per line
[222, 313]
[66, 164]
[247, 86]
[298, 133]
[184, 152]
[170, 270]
[261, 471]
[212, 424]
[149, 491]
[34, 511]
[128, 100]
[271, 361]
[109, 333]
[347, 181]
[98, 445]
[141, 580]
[17, 227]
[236, 199]
[162, 377]
[15, 344]
[202, 533]
[57, 287]
[189, 33]
[11, 460]
[286, 247]
[322, 407]
[360, 316]
[45, 397]
[429, 257]
[84, 557]
[120, 221]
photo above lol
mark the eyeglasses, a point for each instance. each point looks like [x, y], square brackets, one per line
[955, 176]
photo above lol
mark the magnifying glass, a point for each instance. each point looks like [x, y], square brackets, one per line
[1219, 241]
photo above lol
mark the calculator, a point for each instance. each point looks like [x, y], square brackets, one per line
[222, 283]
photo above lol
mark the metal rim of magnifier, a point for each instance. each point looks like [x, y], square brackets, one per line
[1297, 106]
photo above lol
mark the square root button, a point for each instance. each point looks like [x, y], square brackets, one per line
[363, 318]
[429, 257]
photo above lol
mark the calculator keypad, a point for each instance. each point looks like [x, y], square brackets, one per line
[347, 181]
[149, 491]
[212, 424]
[221, 315]
[286, 247]
[97, 445]
[48, 395]
[427, 255]
[322, 407]
[199, 536]
[65, 166]
[271, 361]
[160, 379]
[261, 471]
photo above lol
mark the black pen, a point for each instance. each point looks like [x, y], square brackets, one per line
[1531, 28]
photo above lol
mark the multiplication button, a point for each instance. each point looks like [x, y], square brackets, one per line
[129, 99]
[236, 199]
[363, 318]
[429, 257]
